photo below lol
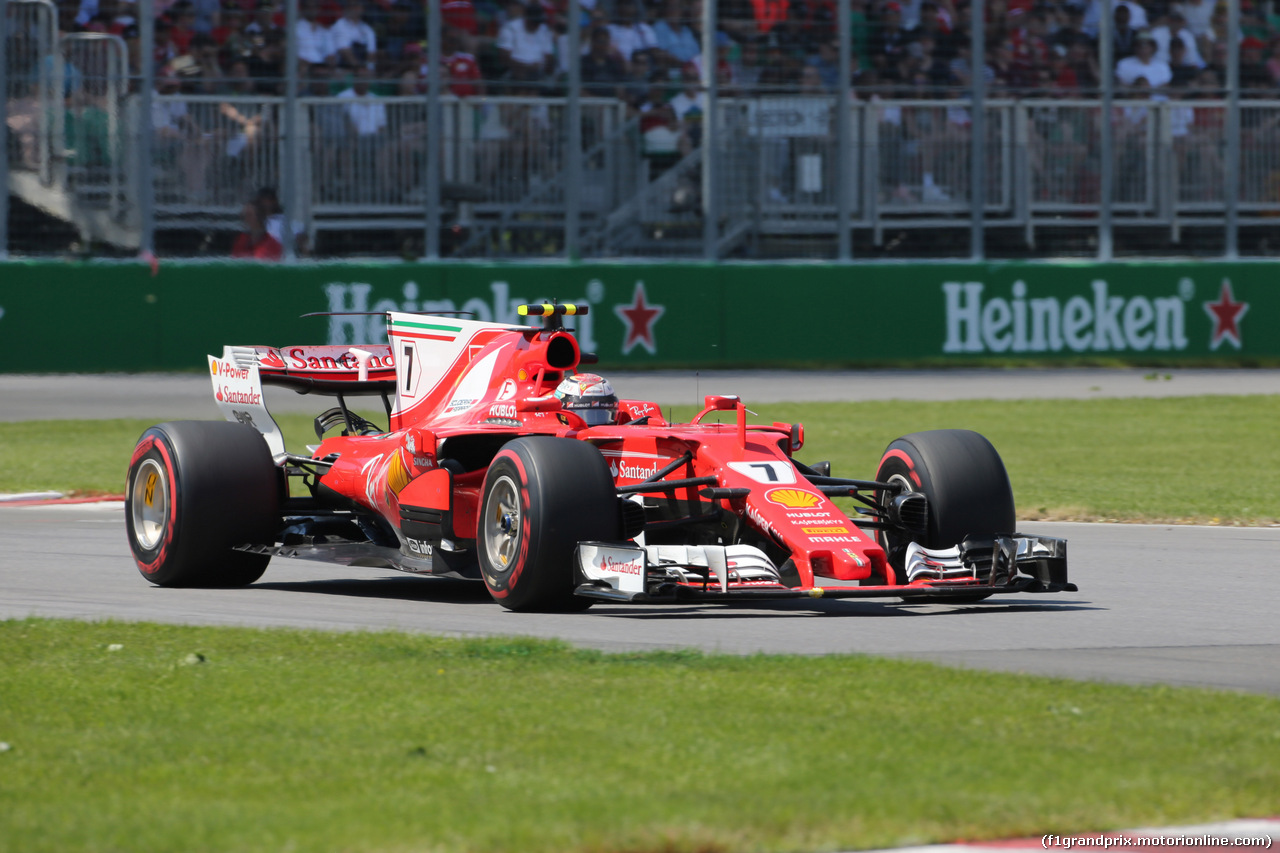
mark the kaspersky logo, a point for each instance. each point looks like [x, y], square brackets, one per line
[1091, 322]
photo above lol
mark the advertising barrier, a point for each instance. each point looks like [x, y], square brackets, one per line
[123, 317]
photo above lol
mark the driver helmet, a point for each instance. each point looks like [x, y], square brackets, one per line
[589, 396]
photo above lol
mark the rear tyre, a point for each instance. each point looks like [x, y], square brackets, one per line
[196, 490]
[542, 496]
[965, 482]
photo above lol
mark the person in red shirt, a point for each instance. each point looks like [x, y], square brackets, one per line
[461, 70]
[183, 31]
[255, 242]
[460, 14]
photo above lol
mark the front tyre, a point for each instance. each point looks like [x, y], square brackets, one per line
[965, 482]
[542, 496]
[195, 491]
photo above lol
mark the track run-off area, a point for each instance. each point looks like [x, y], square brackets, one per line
[1164, 604]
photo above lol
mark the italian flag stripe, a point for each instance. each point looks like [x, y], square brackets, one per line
[435, 327]
[400, 333]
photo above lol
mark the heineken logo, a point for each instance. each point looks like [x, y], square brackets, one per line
[1095, 321]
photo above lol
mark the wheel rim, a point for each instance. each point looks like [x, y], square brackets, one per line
[149, 504]
[502, 522]
[888, 496]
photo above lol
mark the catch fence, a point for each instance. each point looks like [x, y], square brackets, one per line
[552, 173]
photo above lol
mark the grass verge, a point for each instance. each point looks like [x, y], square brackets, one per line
[159, 738]
[1188, 459]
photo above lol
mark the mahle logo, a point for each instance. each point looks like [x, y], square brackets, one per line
[1102, 323]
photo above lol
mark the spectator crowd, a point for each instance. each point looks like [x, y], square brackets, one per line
[904, 48]
[649, 54]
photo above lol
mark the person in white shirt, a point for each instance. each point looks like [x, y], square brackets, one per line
[1144, 64]
[367, 116]
[630, 33]
[367, 119]
[315, 45]
[353, 40]
[525, 43]
[1175, 26]
[1199, 15]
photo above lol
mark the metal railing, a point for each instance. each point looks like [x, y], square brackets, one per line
[361, 165]
[31, 91]
[779, 176]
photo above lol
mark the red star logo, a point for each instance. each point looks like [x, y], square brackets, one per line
[640, 318]
[1226, 315]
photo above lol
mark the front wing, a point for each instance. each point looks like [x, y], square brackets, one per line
[1019, 563]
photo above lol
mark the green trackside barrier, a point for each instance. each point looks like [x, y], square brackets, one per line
[120, 317]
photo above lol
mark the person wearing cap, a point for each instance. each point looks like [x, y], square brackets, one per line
[1253, 69]
[1144, 64]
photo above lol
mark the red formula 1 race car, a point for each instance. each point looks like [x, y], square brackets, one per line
[503, 463]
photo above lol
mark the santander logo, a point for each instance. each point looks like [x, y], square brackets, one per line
[624, 567]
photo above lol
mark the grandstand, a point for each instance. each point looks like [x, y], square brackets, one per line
[604, 129]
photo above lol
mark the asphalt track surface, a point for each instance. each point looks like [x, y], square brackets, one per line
[1157, 604]
[1174, 605]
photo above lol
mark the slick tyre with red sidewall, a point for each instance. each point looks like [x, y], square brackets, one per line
[195, 491]
[964, 480]
[542, 496]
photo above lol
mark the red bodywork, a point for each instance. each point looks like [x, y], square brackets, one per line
[470, 385]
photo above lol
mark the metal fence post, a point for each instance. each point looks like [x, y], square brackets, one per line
[845, 162]
[1106, 65]
[573, 136]
[147, 85]
[1233, 132]
[978, 129]
[293, 151]
[4, 130]
[710, 207]
[435, 130]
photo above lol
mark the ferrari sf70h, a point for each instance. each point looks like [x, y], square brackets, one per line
[503, 461]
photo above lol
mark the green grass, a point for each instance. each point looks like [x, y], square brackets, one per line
[92, 457]
[1204, 459]
[194, 739]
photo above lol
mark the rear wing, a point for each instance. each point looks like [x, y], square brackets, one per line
[364, 370]
[339, 371]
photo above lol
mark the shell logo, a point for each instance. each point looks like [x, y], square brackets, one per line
[397, 476]
[793, 498]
